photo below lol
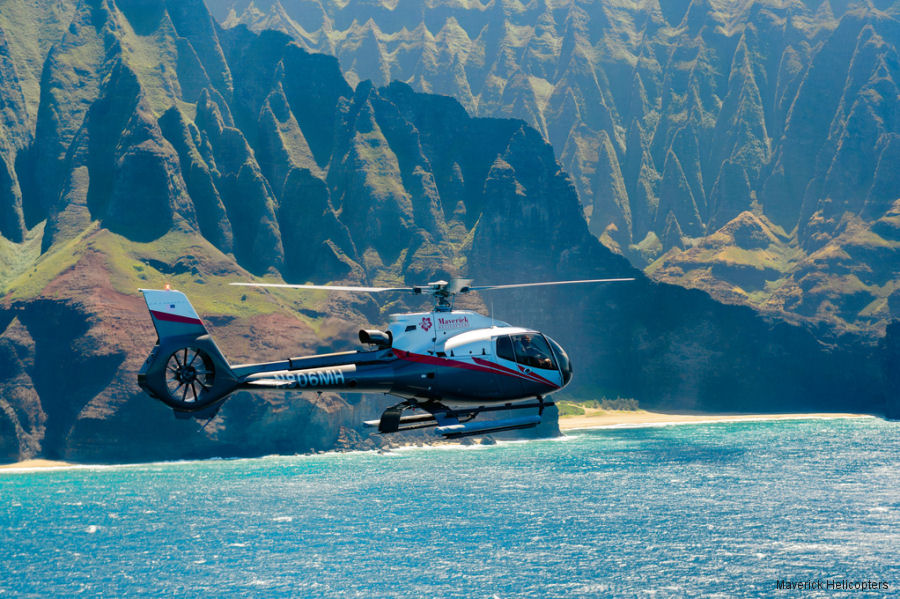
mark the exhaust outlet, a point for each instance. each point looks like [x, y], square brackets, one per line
[381, 339]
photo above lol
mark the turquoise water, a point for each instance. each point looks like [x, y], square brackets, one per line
[690, 510]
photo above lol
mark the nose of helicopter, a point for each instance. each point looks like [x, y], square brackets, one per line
[562, 361]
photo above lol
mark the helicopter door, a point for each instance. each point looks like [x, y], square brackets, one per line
[505, 356]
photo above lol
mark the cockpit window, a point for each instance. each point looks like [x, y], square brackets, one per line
[505, 349]
[532, 350]
[562, 358]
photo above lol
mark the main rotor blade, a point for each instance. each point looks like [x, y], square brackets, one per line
[545, 283]
[326, 287]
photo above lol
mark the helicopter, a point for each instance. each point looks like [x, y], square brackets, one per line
[446, 366]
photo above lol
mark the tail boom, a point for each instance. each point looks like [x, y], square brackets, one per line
[187, 371]
[360, 377]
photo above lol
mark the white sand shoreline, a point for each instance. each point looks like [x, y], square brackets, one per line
[37, 464]
[596, 419]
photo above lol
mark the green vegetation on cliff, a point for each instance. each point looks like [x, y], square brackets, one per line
[673, 119]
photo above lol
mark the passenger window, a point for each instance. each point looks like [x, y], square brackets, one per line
[505, 349]
[533, 351]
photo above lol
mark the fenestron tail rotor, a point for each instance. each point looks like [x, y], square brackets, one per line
[442, 291]
[190, 373]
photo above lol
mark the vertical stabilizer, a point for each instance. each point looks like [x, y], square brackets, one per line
[172, 314]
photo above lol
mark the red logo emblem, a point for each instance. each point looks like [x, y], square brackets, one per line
[426, 323]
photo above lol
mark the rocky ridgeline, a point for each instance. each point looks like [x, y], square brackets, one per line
[151, 146]
[674, 119]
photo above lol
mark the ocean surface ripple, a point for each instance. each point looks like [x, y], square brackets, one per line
[717, 510]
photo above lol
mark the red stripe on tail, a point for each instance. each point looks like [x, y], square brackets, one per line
[165, 316]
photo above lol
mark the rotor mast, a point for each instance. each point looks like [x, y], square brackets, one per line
[444, 294]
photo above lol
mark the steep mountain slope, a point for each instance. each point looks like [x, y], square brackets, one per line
[673, 119]
[165, 149]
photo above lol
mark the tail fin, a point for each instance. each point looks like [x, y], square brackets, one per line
[185, 370]
[172, 314]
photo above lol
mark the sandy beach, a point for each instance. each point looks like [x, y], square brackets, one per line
[597, 418]
[35, 464]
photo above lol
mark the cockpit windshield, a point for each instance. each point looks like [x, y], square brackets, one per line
[532, 350]
[562, 358]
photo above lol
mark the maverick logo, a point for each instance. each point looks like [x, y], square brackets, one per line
[459, 322]
[425, 324]
[315, 378]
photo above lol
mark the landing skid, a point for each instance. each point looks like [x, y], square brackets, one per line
[455, 423]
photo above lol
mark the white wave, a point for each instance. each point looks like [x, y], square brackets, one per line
[442, 447]
[565, 437]
[332, 454]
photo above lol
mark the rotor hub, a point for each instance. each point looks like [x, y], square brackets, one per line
[186, 374]
[190, 375]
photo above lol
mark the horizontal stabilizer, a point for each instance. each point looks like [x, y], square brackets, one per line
[454, 431]
[269, 383]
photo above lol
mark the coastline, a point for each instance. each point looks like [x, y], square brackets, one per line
[597, 418]
[36, 464]
[592, 419]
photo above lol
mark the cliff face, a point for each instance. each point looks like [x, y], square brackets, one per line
[677, 122]
[158, 148]
[890, 346]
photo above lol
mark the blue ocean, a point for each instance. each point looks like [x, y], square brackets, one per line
[716, 510]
